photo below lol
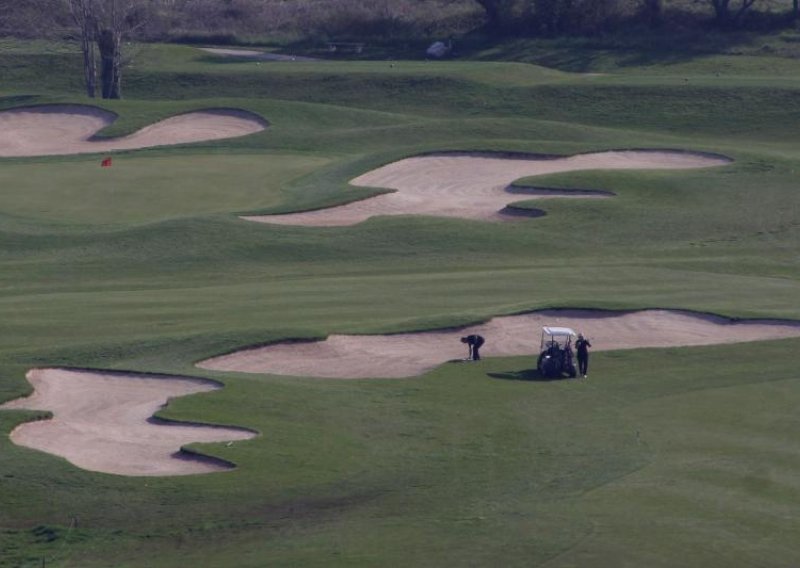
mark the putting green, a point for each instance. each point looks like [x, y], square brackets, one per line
[145, 189]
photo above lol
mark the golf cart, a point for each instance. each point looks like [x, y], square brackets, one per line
[556, 356]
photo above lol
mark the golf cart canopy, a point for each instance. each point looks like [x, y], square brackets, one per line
[555, 352]
[549, 330]
[556, 336]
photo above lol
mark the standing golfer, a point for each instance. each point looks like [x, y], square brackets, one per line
[474, 343]
[582, 347]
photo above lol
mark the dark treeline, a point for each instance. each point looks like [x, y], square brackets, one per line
[310, 20]
[103, 27]
[571, 17]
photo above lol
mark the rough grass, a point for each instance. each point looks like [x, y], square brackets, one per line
[664, 457]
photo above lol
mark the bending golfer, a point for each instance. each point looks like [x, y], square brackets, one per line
[582, 347]
[474, 343]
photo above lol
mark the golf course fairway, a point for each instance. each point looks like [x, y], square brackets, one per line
[673, 452]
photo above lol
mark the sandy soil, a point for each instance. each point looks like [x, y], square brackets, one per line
[68, 129]
[103, 422]
[410, 354]
[474, 186]
[258, 55]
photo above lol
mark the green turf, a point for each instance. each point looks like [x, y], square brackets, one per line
[148, 189]
[664, 457]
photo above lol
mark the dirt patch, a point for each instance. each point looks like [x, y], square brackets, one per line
[68, 129]
[103, 421]
[255, 55]
[410, 354]
[476, 186]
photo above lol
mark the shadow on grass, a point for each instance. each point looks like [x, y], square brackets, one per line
[17, 100]
[226, 59]
[631, 46]
[525, 375]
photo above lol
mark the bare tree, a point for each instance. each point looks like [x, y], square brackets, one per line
[83, 14]
[549, 14]
[103, 24]
[727, 13]
[560, 16]
[498, 14]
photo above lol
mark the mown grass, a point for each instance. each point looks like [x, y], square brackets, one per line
[148, 189]
[466, 465]
[664, 457]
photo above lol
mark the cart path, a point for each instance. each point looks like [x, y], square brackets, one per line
[475, 186]
[68, 129]
[103, 422]
[411, 354]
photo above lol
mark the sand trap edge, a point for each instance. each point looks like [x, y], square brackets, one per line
[509, 212]
[595, 312]
[109, 117]
[254, 55]
[183, 453]
[515, 212]
[246, 215]
[61, 108]
[472, 323]
[224, 111]
[520, 155]
[540, 191]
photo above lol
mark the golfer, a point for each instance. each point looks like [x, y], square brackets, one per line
[582, 347]
[474, 343]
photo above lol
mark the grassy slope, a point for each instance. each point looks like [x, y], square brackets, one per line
[671, 456]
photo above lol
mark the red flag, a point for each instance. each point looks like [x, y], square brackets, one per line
[106, 163]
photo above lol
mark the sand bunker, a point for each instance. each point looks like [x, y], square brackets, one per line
[68, 129]
[257, 55]
[476, 186]
[103, 422]
[410, 354]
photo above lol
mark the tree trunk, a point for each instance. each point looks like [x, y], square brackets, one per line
[721, 13]
[547, 14]
[82, 14]
[795, 9]
[724, 16]
[493, 19]
[89, 66]
[651, 11]
[109, 44]
[745, 6]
